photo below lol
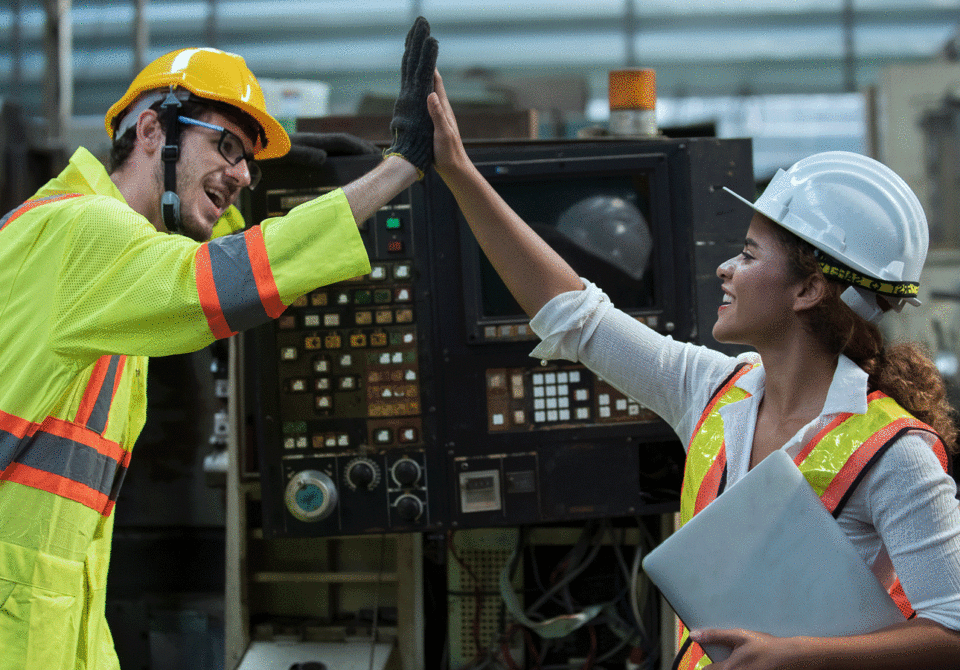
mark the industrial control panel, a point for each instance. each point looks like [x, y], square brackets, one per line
[342, 433]
[407, 400]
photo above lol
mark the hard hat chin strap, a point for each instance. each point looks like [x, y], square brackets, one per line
[863, 303]
[170, 201]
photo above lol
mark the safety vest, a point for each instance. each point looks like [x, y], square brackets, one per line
[89, 290]
[834, 462]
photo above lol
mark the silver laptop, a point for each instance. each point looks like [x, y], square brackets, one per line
[767, 556]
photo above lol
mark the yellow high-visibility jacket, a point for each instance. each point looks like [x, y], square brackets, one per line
[88, 290]
[833, 463]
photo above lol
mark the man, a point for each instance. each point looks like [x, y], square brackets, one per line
[92, 284]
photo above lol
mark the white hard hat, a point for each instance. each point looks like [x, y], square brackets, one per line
[864, 219]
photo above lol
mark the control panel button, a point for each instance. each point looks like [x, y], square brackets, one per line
[362, 474]
[406, 472]
[409, 507]
[310, 496]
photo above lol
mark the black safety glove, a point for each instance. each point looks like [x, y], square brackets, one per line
[412, 126]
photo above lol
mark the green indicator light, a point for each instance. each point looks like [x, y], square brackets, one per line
[294, 427]
[393, 223]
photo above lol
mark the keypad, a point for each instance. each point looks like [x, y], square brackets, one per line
[520, 399]
[350, 351]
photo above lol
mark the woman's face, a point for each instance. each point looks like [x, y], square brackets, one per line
[758, 290]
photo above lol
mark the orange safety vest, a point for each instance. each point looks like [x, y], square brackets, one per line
[834, 462]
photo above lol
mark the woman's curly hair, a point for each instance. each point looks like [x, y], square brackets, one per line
[903, 371]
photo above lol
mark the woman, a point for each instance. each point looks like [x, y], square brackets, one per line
[818, 365]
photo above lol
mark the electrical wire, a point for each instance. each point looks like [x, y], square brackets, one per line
[634, 586]
[528, 639]
[568, 576]
[640, 591]
[635, 594]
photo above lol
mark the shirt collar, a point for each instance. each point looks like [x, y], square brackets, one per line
[84, 175]
[847, 393]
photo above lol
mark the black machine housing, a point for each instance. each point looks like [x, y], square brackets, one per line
[410, 394]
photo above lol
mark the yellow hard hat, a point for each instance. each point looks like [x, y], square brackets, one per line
[214, 75]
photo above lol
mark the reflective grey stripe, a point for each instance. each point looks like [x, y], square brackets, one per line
[235, 283]
[72, 460]
[101, 409]
[9, 445]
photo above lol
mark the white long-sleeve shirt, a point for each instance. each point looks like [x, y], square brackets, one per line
[903, 518]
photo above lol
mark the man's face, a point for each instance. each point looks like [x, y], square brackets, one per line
[206, 182]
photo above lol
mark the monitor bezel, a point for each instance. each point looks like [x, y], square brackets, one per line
[652, 165]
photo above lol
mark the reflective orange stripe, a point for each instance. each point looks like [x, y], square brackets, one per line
[235, 283]
[696, 654]
[68, 458]
[706, 454]
[105, 366]
[901, 600]
[260, 266]
[861, 457]
[706, 490]
[209, 300]
[720, 393]
[16, 426]
[88, 438]
[690, 655]
[811, 445]
[857, 439]
[11, 216]
[58, 485]
[710, 486]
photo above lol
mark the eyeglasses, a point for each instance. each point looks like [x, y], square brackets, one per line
[230, 147]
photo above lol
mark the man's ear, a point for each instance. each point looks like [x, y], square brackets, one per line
[811, 291]
[150, 132]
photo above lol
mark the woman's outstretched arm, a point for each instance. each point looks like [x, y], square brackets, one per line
[529, 267]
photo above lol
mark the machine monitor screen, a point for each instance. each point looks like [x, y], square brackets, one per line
[602, 215]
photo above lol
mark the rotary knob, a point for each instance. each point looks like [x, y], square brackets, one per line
[406, 472]
[409, 507]
[310, 496]
[362, 474]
